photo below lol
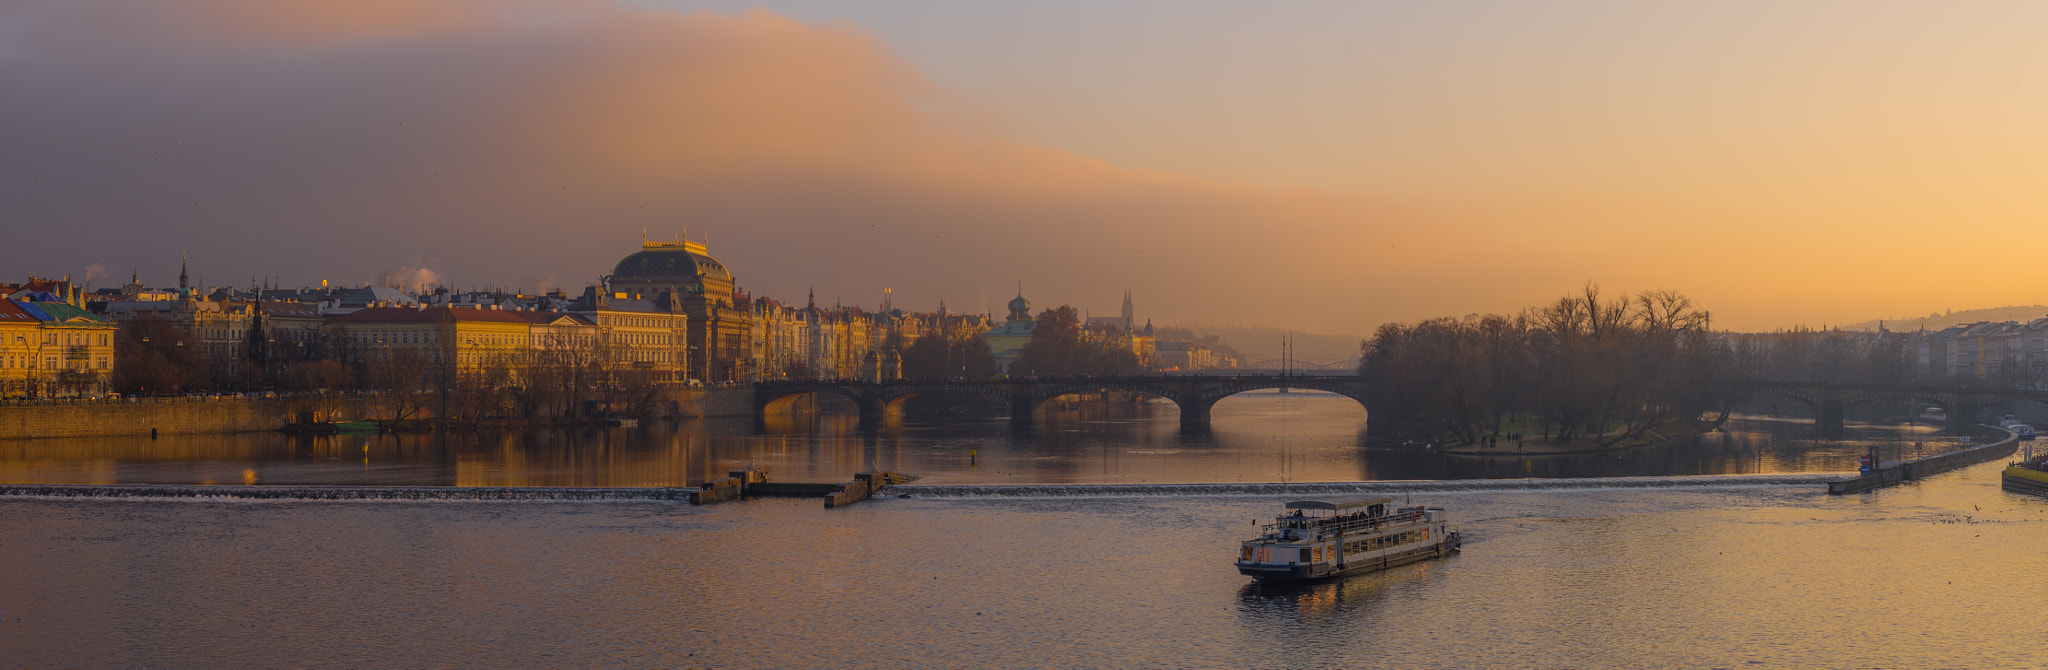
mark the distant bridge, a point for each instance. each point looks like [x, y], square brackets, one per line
[1194, 394]
[1829, 400]
[1348, 365]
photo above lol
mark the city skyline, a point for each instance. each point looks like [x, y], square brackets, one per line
[1430, 162]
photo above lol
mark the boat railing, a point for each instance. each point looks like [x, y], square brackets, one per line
[1324, 527]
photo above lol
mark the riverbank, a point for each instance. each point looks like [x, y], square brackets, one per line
[200, 415]
[1504, 447]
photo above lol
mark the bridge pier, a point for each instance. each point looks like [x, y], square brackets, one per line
[1962, 415]
[873, 411]
[1022, 408]
[1194, 414]
[1828, 416]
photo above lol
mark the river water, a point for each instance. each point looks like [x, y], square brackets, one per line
[1703, 570]
[1259, 437]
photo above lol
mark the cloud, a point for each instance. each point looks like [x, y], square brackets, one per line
[521, 143]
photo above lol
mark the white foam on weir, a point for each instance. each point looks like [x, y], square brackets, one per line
[1347, 488]
[480, 494]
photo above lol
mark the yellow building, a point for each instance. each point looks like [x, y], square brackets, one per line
[67, 351]
[640, 333]
[682, 276]
[470, 338]
[1007, 341]
[21, 345]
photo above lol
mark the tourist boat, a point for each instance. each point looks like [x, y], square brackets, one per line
[2022, 431]
[1345, 536]
[2027, 476]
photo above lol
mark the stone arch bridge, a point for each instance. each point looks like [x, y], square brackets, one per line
[1829, 400]
[1194, 394]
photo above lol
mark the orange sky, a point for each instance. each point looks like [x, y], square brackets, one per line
[1326, 167]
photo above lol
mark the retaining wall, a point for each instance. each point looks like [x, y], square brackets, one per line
[167, 416]
[1894, 472]
[698, 403]
[188, 415]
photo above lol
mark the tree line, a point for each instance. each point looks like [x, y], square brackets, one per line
[1586, 368]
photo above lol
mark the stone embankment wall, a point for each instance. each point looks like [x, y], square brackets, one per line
[1894, 472]
[699, 403]
[167, 416]
[174, 416]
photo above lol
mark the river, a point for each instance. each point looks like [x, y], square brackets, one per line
[1255, 437]
[1702, 570]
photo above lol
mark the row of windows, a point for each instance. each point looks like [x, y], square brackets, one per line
[77, 339]
[25, 362]
[1384, 541]
[634, 321]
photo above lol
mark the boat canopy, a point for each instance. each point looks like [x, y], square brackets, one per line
[1335, 504]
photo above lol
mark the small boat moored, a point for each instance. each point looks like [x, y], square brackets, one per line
[1345, 536]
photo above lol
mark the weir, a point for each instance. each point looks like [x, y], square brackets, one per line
[755, 484]
[1355, 488]
[866, 484]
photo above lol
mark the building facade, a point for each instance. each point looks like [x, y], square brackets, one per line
[720, 339]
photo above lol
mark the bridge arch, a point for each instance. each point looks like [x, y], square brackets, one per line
[1193, 394]
[892, 397]
[770, 398]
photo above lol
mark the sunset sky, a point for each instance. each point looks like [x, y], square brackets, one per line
[1325, 166]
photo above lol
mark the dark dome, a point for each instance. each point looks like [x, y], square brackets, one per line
[672, 263]
[1020, 309]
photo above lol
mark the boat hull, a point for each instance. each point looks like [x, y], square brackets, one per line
[1305, 573]
[2018, 479]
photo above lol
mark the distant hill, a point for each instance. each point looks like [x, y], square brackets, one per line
[1940, 321]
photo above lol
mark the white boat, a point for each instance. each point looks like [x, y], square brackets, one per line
[1345, 536]
[2022, 431]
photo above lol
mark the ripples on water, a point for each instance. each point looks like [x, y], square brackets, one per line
[1935, 574]
[1265, 437]
[1759, 569]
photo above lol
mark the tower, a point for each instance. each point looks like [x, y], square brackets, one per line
[1020, 309]
[1130, 315]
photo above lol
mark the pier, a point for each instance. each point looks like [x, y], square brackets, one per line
[1892, 473]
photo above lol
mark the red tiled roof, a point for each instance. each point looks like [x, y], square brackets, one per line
[12, 313]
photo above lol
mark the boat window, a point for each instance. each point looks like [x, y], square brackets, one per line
[1305, 555]
[1247, 552]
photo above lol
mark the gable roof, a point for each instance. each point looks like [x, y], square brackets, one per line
[12, 312]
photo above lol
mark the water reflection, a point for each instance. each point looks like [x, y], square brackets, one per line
[1257, 437]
